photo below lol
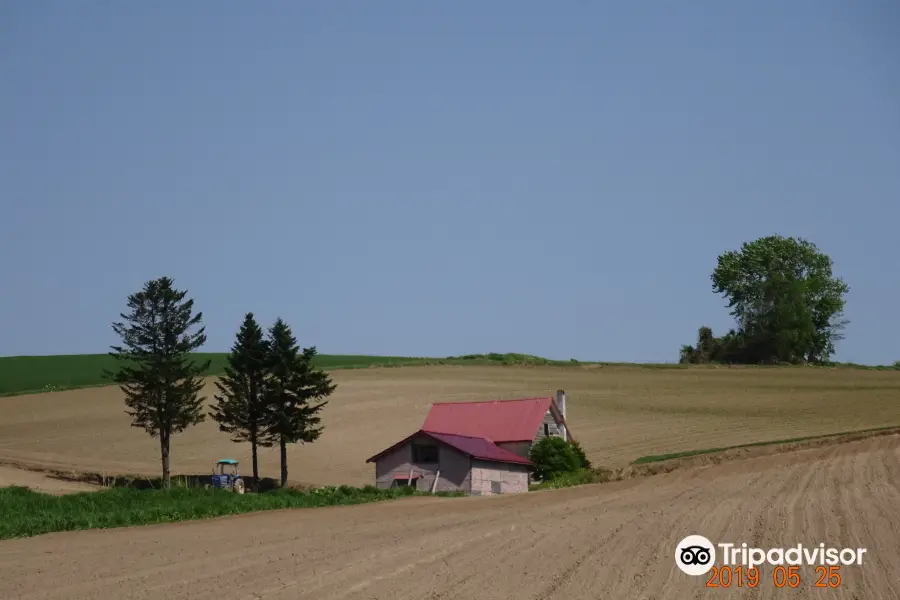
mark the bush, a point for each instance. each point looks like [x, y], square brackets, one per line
[554, 456]
[582, 457]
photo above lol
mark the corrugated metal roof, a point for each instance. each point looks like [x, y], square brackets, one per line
[496, 420]
[479, 448]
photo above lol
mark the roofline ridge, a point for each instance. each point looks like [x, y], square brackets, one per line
[497, 400]
[471, 437]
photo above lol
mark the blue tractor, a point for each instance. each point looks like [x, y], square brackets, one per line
[225, 476]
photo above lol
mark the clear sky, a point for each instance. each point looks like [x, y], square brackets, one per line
[438, 178]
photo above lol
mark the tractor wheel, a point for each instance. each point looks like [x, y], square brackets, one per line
[239, 486]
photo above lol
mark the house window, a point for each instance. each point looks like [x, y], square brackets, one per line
[424, 453]
[546, 430]
[406, 482]
[495, 487]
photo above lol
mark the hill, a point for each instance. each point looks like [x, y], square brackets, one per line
[30, 374]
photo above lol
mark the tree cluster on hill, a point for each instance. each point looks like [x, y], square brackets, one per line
[270, 394]
[787, 304]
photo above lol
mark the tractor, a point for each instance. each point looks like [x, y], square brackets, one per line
[227, 477]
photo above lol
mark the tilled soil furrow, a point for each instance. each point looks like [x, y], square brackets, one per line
[613, 540]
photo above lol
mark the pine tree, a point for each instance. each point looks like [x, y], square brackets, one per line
[158, 375]
[240, 409]
[293, 383]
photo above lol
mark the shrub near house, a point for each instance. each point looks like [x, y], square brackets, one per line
[555, 456]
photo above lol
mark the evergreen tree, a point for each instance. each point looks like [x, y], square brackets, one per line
[294, 393]
[160, 378]
[240, 408]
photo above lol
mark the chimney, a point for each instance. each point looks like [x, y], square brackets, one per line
[561, 405]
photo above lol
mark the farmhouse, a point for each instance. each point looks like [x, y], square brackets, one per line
[479, 448]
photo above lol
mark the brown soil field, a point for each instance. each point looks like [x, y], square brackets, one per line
[618, 413]
[41, 482]
[614, 540]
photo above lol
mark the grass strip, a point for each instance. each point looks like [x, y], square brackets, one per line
[21, 375]
[25, 512]
[35, 374]
[580, 477]
[687, 453]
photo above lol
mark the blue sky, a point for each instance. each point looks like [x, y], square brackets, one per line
[437, 178]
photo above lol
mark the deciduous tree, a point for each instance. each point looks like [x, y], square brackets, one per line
[294, 392]
[787, 302]
[160, 378]
[240, 407]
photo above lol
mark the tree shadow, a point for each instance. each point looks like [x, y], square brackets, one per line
[139, 482]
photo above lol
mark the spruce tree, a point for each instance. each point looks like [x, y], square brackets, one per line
[240, 409]
[294, 393]
[160, 378]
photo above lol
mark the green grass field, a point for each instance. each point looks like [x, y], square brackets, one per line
[28, 513]
[30, 374]
[24, 374]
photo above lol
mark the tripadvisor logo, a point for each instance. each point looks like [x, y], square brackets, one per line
[696, 555]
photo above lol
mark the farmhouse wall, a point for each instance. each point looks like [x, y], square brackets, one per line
[453, 466]
[551, 425]
[392, 464]
[486, 476]
[456, 472]
[522, 449]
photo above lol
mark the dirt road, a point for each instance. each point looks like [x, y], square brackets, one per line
[610, 541]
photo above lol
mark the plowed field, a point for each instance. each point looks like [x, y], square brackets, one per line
[618, 414]
[40, 482]
[613, 541]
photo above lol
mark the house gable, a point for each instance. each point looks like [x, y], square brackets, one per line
[416, 449]
[396, 466]
[549, 427]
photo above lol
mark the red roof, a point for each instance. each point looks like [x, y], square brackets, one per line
[479, 448]
[495, 420]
